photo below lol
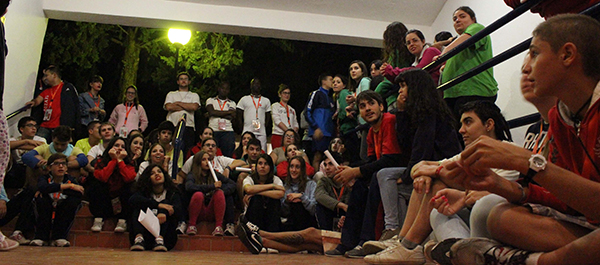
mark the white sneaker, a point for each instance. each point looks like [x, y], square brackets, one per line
[121, 226]
[181, 228]
[18, 236]
[373, 246]
[269, 251]
[37, 242]
[230, 230]
[61, 243]
[98, 224]
[398, 255]
[8, 244]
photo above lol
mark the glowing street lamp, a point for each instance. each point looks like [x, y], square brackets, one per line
[179, 37]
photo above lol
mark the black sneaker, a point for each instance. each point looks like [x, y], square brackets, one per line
[355, 253]
[138, 244]
[334, 253]
[248, 234]
[159, 246]
[440, 252]
[486, 250]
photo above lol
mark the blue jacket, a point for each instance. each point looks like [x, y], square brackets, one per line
[319, 111]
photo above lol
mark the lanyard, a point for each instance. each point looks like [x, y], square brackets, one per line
[95, 103]
[127, 112]
[224, 103]
[287, 111]
[339, 197]
[377, 143]
[58, 88]
[256, 106]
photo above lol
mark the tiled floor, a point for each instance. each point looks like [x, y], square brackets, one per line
[79, 255]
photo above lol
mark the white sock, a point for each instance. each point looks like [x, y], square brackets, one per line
[533, 258]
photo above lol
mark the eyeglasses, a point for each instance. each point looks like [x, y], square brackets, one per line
[211, 145]
[64, 164]
[30, 125]
[286, 93]
[130, 93]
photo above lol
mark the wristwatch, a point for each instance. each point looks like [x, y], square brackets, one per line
[537, 163]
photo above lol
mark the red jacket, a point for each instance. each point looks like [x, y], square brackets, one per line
[115, 174]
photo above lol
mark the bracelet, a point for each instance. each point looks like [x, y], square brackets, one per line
[523, 195]
[438, 170]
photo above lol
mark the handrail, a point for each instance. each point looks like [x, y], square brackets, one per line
[483, 33]
[487, 64]
[17, 112]
[524, 120]
[178, 145]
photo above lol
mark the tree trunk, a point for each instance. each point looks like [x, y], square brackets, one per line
[131, 60]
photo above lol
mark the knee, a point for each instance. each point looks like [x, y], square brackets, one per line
[498, 220]
[198, 196]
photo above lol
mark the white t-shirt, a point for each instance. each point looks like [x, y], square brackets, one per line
[280, 114]
[249, 181]
[217, 123]
[185, 97]
[18, 153]
[219, 164]
[96, 151]
[249, 104]
[145, 164]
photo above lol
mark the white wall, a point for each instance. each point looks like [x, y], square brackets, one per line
[25, 30]
[507, 73]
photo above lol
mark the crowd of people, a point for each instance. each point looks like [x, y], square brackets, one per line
[440, 168]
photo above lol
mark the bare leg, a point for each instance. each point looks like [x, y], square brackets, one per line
[421, 226]
[411, 214]
[307, 239]
[581, 251]
[317, 159]
[517, 226]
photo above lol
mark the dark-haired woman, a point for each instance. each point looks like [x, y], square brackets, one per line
[292, 151]
[422, 52]
[129, 115]
[298, 203]
[109, 190]
[208, 197]
[240, 151]
[263, 193]
[155, 190]
[279, 154]
[136, 145]
[480, 87]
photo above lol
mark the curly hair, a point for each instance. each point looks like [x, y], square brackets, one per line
[394, 50]
[144, 183]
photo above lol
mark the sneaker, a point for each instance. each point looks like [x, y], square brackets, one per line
[121, 226]
[18, 236]
[36, 243]
[138, 244]
[440, 252]
[191, 230]
[61, 243]
[389, 233]
[269, 251]
[98, 224]
[218, 231]
[373, 247]
[230, 230]
[181, 228]
[355, 253]
[334, 253]
[480, 250]
[159, 246]
[427, 248]
[248, 234]
[8, 244]
[398, 255]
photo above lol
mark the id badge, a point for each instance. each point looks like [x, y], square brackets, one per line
[256, 125]
[123, 132]
[116, 205]
[47, 114]
[222, 124]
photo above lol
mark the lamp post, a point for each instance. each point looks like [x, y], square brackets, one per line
[179, 37]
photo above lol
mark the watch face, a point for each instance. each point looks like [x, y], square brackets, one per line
[537, 162]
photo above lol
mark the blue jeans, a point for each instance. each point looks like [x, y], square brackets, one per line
[394, 197]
